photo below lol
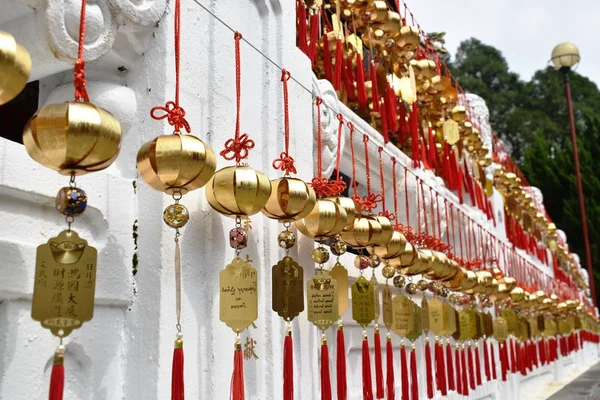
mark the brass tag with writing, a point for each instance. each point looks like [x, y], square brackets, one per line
[425, 314]
[64, 283]
[363, 302]
[478, 319]
[403, 315]
[488, 323]
[436, 318]
[340, 274]
[239, 294]
[449, 317]
[417, 325]
[500, 329]
[466, 325]
[563, 327]
[375, 285]
[451, 131]
[457, 333]
[550, 327]
[533, 326]
[511, 320]
[322, 300]
[387, 308]
[288, 291]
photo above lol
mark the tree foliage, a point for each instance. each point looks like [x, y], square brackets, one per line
[531, 117]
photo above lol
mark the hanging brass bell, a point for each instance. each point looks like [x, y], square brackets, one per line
[238, 191]
[393, 248]
[349, 205]
[387, 230]
[326, 219]
[291, 199]
[176, 163]
[73, 137]
[15, 67]
[364, 233]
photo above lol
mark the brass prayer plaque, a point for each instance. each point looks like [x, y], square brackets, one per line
[340, 274]
[449, 320]
[511, 320]
[375, 285]
[467, 325]
[457, 334]
[488, 324]
[551, 328]
[563, 327]
[533, 326]
[363, 302]
[500, 329]
[425, 314]
[239, 294]
[417, 325]
[478, 319]
[322, 300]
[288, 291]
[388, 311]
[403, 315]
[451, 131]
[436, 317]
[64, 283]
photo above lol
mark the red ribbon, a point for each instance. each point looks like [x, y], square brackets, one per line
[174, 114]
[237, 148]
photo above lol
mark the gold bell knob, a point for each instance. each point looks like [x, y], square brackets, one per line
[326, 219]
[73, 137]
[290, 199]
[238, 191]
[15, 67]
[176, 163]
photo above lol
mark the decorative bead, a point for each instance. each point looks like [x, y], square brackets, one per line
[422, 285]
[338, 247]
[320, 255]
[71, 201]
[444, 292]
[238, 238]
[388, 271]
[375, 260]
[411, 288]
[362, 262]
[433, 288]
[399, 281]
[176, 216]
[286, 239]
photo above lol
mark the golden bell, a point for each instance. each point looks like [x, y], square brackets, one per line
[517, 295]
[459, 113]
[176, 163]
[456, 281]
[73, 137]
[393, 248]
[238, 191]
[290, 199]
[387, 230]
[469, 281]
[349, 205]
[325, 220]
[364, 233]
[15, 67]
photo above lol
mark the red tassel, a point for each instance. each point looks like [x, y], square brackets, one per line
[327, 58]
[374, 88]
[465, 373]
[378, 365]
[384, 122]
[177, 387]
[459, 385]
[339, 63]
[325, 379]
[367, 384]
[493, 359]
[288, 367]
[314, 38]
[389, 355]
[428, 369]
[486, 360]
[301, 15]
[432, 150]
[57, 378]
[404, 372]
[541, 348]
[360, 82]
[390, 102]
[449, 367]
[471, 370]
[414, 382]
[477, 365]
[349, 80]
[414, 132]
[237, 379]
[441, 368]
[522, 359]
[340, 370]
[504, 360]
[513, 357]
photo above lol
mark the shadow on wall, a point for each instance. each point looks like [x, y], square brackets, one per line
[261, 5]
[15, 114]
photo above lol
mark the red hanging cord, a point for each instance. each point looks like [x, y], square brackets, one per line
[285, 162]
[174, 114]
[79, 70]
[237, 148]
[369, 202]
[341, 378]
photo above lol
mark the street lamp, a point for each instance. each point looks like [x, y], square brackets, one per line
[565, 56]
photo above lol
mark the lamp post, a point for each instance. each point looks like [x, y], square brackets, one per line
[564, 57]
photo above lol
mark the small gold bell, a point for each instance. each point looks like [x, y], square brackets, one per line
[15, 67]
[290, 199]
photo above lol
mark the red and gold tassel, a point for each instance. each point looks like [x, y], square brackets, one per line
[360, 82]
[380, 391]
[389, 355]
[177, 386]
[404, 372]
[477, 365]
[414, 381]
[449, 366]
[237, 379]
[325, 379]
[367, 384]
[428, 368]
[340, 358]
[288, 366]
[57, 378]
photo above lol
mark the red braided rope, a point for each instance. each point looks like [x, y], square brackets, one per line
[285, 162]
[79, 80]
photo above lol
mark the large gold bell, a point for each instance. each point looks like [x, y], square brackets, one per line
[349, 205]
[393, 248]
[365, 232]
[73, 137]
[176, 163]
[15, 67]
[238, 191]
[325, 220]
[290, 199]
